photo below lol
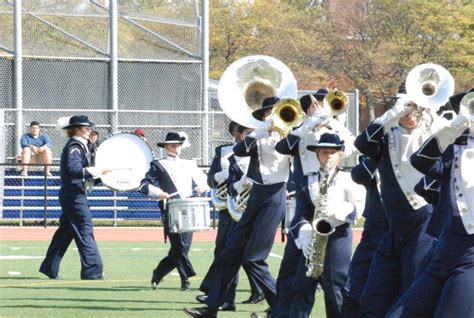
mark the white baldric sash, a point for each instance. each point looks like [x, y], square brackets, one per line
[309, 161]
[401, 147]
[179, 174]
[274, 167]
[463, 179]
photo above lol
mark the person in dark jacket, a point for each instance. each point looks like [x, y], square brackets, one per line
[75, 223]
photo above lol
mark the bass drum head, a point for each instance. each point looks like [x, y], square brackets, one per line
[129, 157]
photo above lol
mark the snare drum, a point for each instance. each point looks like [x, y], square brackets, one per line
[189, 215]
[128, 156]
[289, 214]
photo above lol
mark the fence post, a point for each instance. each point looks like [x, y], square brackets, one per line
[22, 199]
[45, 196]
[115, 208]
[2, 158]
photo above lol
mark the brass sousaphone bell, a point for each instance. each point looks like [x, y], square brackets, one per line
[248, 81]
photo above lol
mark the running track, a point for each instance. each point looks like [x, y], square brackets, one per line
[125, 234]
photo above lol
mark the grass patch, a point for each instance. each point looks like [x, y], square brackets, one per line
[25, 292]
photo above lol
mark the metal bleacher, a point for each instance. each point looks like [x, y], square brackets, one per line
[34, 196]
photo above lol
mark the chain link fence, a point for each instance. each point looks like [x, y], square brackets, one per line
[66, 68]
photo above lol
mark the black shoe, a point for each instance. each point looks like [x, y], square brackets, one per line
[254, 299]
[203, 312]
[227, 307]
[201, 298]
[185, 285]
[49, 275]
[155, 279]
[94, 278]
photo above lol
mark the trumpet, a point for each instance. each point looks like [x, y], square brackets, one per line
[286, 114]
[335, 102]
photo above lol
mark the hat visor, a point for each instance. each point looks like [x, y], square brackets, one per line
[170, 142]
[324, 145]
[90, 124]
[259, 113]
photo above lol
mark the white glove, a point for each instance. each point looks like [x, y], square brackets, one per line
[390, 118]
[309, 124]
[242, 184]
[448, 135]
[304, 241]
[221, 176]
[157, 192]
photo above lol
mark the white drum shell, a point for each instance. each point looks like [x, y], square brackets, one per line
[189, 215]
[289, 214]
[129, 157]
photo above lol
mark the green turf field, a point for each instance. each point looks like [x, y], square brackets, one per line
[24, 292]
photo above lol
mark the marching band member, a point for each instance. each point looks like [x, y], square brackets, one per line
[390, 140]
[173, 177]
[216, 176]
[76, 219]
[446, 287]
[375, 225]
[225, 160]
[304, 163]
[340, 205]
[238, 183]
[254, 234]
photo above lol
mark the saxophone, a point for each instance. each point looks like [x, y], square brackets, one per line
[322, 228]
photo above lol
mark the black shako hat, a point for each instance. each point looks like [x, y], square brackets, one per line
[305, 100]
[171, 138]
[320, 94]
[78, 120]
[328, 140]
[267, 104]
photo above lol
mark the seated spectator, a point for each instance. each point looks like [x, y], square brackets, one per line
[35, 148]
[93, 144]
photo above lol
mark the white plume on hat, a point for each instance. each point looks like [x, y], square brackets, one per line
[186, 143]
[62, 122]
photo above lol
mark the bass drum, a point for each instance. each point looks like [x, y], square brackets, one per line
[128, 156]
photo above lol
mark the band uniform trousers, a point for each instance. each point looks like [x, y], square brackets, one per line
[359, 268]
[178, 254]
[333, 279]
[251, 240]
[396, 263]
[223, 231]
[288, 267]
[445, 289]
[75, 223]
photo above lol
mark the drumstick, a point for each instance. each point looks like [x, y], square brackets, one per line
[173, 194]
[165, 201]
